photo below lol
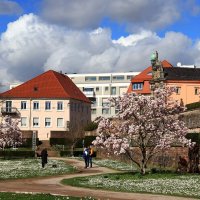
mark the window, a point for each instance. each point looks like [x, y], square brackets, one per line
[118, 78]
[116, 111]
[106, 88]
[137, 86]
[113, 90]
[104, 78]
[93, 111]
[178, 90]
[36, 105]
[129, 77]
[90, 78]
[47, 122]
[87, 89]
[8, 106]
[59, 122]
[47, 105]
[59, 105]
[23, 121]
[196, 91]
[35, 121]
[97, 89]
[105, 111]
[105, 102]
[23, 105]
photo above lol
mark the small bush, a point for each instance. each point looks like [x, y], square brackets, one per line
[195, 137]
[58, 141]
[192, 106]
[27, 142]
[10, 154]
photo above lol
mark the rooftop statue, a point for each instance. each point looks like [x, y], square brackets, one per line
[157, 68]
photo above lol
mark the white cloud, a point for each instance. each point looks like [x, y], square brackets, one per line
[30, 46]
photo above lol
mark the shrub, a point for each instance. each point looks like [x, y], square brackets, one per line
[59, 141]
[192, 106]
[195, 137]
[9, 154]
[27, 142]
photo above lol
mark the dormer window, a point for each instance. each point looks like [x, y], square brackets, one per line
[137, 86]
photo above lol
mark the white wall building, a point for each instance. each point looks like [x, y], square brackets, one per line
[101, 86]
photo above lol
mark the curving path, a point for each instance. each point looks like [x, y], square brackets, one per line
[52, 185]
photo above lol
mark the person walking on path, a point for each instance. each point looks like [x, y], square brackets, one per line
[91, 153]
[86, 157]
[44, 156]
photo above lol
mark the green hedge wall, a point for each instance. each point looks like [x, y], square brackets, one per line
[64, 141]
[8, 154]
[195, 137]
[28, 142]
[192, 106]
[59, 141]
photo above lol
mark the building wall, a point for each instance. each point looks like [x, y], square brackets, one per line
[114, 85]
[70, 117]
[186, 91]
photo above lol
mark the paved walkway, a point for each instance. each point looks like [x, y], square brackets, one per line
[52, 185]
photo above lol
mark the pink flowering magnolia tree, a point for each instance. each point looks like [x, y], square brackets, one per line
[150, 124]
[10, 134]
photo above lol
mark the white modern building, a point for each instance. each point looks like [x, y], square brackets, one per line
[101, 86]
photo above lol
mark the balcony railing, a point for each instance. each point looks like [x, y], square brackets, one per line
[89, 93]
[9, 111]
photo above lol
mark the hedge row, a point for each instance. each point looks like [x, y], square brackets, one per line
[8, 154]
[192, 106]
[58, 141]
[64, 141]
[28, 142]
[195, 137]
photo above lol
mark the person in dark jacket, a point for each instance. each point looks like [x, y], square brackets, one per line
[44, 156]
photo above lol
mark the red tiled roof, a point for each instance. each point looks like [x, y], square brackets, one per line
[50, 84]
[145, 76]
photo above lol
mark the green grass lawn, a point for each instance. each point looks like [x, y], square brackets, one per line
[25, 168]
[20, 196]
[114, 164]
[158, 183]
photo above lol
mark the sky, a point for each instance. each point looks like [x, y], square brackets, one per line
[93, 36]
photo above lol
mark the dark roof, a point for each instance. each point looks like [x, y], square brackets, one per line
[50, 84]
[182, 73]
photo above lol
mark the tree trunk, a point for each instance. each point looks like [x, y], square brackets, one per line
[144, 161]
[143, 169]
[194, 159]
